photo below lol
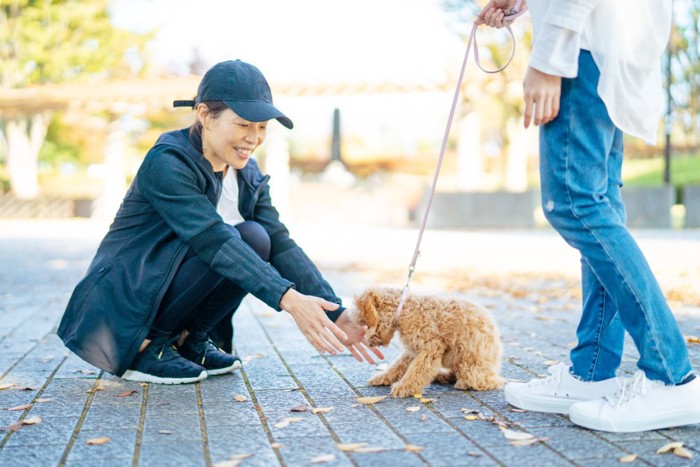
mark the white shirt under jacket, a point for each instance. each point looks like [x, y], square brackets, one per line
[626, 38]
[228, 202]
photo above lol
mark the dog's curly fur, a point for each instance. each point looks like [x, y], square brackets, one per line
[445, 340]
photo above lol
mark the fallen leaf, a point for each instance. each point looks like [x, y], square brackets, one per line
[628, 459]
[127, 393]
[515, 409]
[692, 339]
[350, 446]
[277, 445]
[287, 421]
[415, 408]
[233, 461]
[98, 441]
[4, 386]
[683, 452]
[474, 454]
[27, 388]
[471, 418]
[15, 427]
[240, 398]
[412, 448]
[370, 400]
[426, 400]
[423, 418]
[669, 447]
[550, 362]
[299, 408]
[322, 459]
[35, 420]
[527, 442]
[512, 435]
[86, 372]
[321, 409]
[368, 450]
[43, 400]
[20, 407]
[165, 432]
[417, 396]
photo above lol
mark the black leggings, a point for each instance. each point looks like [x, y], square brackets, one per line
[199, 298]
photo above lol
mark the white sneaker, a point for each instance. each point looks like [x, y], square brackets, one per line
[640, 405]
[557, 392]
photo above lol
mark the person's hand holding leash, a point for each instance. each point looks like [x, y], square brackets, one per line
[496, 13]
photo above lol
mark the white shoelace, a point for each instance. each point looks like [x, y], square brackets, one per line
[630, 388]
[555, 372]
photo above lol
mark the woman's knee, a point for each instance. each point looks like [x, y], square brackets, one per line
[256, 237]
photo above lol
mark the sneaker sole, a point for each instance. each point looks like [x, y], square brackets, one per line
[634, 426]
[538, 404]
[223, 371]
[132, 375]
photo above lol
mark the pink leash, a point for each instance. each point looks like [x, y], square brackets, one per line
[509, 17]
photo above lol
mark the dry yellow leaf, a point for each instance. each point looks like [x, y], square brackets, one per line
[471, 417]
[4, 386]
[368, 450]
[35, 420]
[415, 408]
[20, 407]
[350, 446]
[240, 398]
[669, 447]
[321, 409]
[692, 339]
[525, 442]
[628, 459]
[98, 441]
[322, 459]
[277, 445]
[370, 400]
[413, 448]
[512, 435]
[287, 421]
[683, 452]
[426, 400]
[417, 396]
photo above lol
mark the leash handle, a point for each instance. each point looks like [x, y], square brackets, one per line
[510, 16]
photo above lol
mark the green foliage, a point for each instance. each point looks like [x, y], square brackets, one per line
[685, 170]
[49, 41]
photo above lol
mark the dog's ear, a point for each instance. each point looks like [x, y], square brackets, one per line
[367, 306]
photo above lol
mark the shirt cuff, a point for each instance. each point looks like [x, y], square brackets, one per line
[555, 51]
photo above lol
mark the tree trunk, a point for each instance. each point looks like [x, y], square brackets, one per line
[24, 137]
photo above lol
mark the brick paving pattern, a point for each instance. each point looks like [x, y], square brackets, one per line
[53, 405]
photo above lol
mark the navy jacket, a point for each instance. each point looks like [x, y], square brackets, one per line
[169, 208]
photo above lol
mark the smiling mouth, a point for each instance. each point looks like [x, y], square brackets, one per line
[243, 152]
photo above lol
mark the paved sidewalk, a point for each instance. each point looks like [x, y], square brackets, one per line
[53, 406]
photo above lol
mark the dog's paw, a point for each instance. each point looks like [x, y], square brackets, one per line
[380, 379]
[399, 390]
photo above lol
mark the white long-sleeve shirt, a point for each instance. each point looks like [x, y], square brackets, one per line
[626, 38]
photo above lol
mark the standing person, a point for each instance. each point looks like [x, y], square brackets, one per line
[169, 269]
[594, 74]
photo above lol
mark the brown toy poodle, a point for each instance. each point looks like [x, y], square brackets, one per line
[445, 340]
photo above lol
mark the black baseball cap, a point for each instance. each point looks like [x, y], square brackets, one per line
[242, 87]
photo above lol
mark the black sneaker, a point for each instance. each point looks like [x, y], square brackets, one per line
[202, 351]
[160, 363]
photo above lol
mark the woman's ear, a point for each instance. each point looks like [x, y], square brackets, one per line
[202, 112]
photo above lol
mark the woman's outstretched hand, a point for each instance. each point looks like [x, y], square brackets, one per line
[309, 313]
[356, 342]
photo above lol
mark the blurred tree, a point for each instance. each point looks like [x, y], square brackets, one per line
[685, 70]
[54, 41]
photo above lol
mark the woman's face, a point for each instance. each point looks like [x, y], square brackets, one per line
[229, 139]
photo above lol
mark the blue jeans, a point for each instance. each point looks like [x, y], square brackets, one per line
[580, 169]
